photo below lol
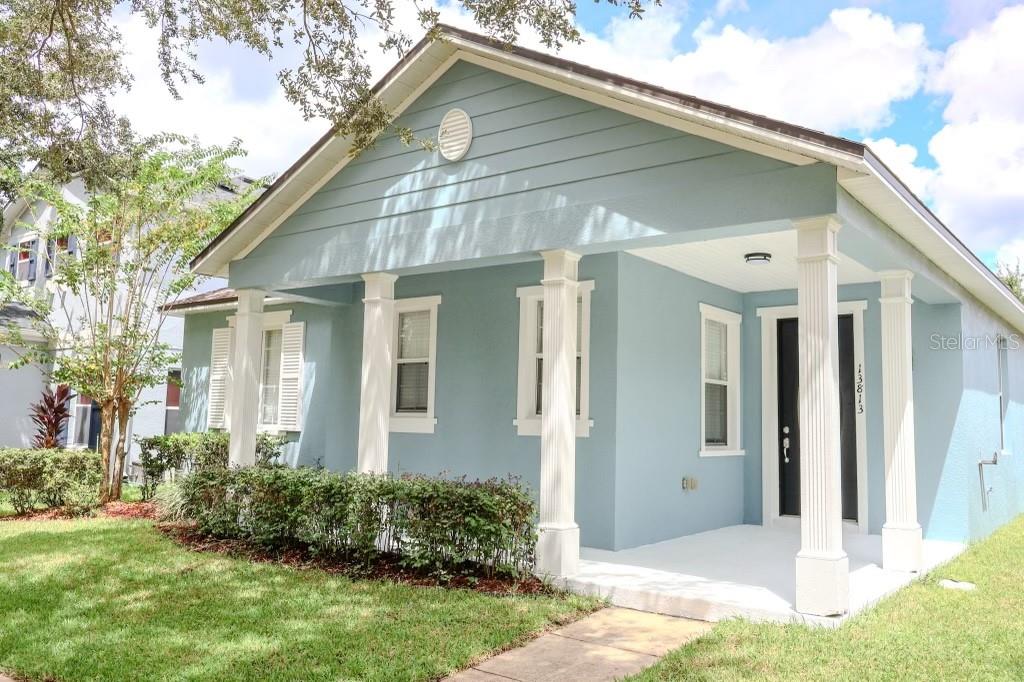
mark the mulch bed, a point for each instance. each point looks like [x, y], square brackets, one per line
[384, 568]
[130, 510]
[114, 510]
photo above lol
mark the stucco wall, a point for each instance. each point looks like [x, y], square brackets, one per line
[658, 433]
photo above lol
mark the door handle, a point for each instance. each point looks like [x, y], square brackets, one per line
[785, 445]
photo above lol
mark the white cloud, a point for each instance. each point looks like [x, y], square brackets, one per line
[723, 7]
[1011, 254]
[979, 186]
[901, 160]
[845, 73]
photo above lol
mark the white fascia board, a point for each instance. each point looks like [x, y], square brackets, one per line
[892, 206]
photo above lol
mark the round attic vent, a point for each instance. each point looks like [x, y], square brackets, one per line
[455, 134]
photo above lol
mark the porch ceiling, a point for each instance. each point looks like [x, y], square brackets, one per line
[721, 262]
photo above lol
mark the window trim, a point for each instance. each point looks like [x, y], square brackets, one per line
[276, 319]
[414, 422]
[734, 384]
[527, 422]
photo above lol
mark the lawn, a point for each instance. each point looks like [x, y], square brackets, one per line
[104, 599]
[924, 632]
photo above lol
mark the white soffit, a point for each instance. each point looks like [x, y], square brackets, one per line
[721, 262]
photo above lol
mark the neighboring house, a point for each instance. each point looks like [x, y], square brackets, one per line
[16, 427]
[30, 262]
[595, 284]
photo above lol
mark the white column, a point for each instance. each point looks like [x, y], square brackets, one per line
[245, 378]
[901, 533]
[558, 548]
[822, 567]
[375, 381]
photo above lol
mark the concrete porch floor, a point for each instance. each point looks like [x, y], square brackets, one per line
[738, 571]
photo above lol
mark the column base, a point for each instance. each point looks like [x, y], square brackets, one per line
[822, 584]
[558, 550]
[902, 548]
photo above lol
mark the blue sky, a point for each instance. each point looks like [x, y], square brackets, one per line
[935, 87]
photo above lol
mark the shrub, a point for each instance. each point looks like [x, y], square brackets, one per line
[55, 478]
[194, 451]
[170, 503]
[433, 525]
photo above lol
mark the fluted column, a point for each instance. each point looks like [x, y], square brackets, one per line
[245, 378]
[375, 379]
[558, 548]
[901, 533]
[822, 567]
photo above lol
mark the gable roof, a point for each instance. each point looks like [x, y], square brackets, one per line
[861, 172]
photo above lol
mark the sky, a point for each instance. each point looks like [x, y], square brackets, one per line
[935, 87]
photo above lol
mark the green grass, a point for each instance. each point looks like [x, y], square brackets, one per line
[102, 599]
[923, 632]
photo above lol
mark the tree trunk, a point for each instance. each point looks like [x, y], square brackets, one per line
[120, 451]
[107, 417]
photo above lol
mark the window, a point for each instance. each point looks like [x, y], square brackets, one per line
[172, 401]
[415, 349]
[282, 365]
[83, 421]
[1004, 387]
[531, 360]
[57, 249]
[22, 261]
[270, 377]
[720, 381]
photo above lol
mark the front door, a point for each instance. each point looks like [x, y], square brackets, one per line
[789, 418]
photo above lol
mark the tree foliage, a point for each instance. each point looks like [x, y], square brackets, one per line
[61, 60]
[1013, 278]
[102, 310]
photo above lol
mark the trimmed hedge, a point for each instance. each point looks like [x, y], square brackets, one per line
[52, 478]
[434, 525]
[189, 451]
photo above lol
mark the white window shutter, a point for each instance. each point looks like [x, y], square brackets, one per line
[220, 378]
[290, 393]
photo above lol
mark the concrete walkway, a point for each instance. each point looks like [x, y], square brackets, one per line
[606, 645]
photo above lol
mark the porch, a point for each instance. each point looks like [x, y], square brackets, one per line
[741, 571]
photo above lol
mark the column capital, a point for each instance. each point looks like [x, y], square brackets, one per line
[560, 264]
[816, 238]
[250, 300]
[379, 285]
[895, 286]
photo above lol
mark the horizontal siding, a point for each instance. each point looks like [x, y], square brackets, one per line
[538, 157]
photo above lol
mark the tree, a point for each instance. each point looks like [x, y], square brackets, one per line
[1013, 278]
[60, 60]
[134, 241]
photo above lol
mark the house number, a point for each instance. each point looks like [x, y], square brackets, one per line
[860, 389]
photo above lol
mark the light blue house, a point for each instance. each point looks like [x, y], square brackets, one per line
[727, 320]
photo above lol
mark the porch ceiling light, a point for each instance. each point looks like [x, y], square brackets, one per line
[758, 258]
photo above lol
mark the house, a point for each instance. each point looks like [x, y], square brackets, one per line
[678, 322]
[32, 259]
